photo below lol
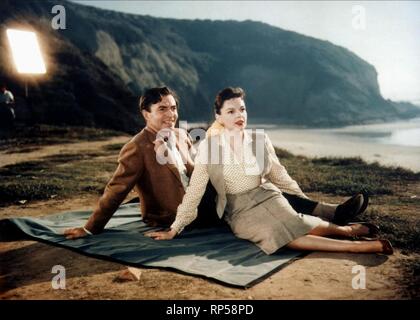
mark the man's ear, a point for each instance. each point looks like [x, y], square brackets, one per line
[145, 114]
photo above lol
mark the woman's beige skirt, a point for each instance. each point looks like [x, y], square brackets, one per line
[264, 216]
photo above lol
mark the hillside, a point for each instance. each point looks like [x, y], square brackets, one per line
[103, 60]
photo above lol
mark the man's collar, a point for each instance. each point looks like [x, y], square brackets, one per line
[150, 130]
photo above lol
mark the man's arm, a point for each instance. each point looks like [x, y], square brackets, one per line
[129, 170]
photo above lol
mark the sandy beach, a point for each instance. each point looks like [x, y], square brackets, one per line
[25, 271]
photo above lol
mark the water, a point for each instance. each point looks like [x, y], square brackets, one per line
[391, 144]
[405, 137]
[398, 133]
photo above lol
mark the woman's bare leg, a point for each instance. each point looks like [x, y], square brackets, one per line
[317, 243]
[331, 229]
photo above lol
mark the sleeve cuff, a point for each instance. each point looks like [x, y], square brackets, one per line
[176, 229]
[87, 231]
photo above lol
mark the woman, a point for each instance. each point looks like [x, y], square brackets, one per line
[249, 186]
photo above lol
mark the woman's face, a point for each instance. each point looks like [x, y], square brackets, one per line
[233, 114]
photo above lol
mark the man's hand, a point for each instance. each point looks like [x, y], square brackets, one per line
[161, 235]
[75, 233]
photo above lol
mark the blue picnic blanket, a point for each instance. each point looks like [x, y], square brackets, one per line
[208, 252]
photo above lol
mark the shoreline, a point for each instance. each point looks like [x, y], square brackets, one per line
[393, 144]
[316, 144]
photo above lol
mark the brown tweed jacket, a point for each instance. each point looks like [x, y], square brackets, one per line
[159, 186]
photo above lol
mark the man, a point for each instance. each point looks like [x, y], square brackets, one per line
[6, 105]
[161, 186]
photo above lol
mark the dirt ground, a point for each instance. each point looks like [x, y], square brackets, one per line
[26, 266]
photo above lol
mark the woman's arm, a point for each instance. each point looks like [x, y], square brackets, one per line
[278, 174]
[187, 210]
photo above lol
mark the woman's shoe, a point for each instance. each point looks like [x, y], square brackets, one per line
[386, 247]
[373, 230]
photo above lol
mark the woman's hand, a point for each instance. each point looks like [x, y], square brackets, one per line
[75, 233]
[161, 235]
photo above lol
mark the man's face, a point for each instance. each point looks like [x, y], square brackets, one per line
[162, 115]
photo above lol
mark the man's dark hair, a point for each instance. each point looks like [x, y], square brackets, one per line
[155, 95]
[227, 94]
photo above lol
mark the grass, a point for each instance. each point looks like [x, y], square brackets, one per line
[113, 147]
[58, 175]
[26, 139]
[411, 267]
[344, 176]
[403, 231]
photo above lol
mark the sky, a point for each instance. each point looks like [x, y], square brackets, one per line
[384, 33]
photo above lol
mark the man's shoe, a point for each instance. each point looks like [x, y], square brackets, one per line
[348, 210]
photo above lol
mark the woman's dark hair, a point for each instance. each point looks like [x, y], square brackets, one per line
[227, 94]
[155, 95]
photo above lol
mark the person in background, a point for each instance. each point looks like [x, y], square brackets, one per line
[7, 101]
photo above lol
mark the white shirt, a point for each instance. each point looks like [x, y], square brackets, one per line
[6, 97]
[179, 163]
[237, 165]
